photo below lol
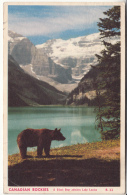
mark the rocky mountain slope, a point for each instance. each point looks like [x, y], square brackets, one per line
[21, 49]
[25, 90]
[43, 65]
[85, 93]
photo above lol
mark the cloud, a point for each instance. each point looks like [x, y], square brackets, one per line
[54, 20]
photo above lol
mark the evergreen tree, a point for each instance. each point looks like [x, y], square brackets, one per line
[108, 84]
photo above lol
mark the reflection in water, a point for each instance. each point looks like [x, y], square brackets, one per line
[76, 137]
[77, 124]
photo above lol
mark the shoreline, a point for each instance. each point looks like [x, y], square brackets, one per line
[106, 150]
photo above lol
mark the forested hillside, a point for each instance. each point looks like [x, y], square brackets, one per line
[25, 90]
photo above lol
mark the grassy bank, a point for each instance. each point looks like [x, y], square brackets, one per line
[90, 164]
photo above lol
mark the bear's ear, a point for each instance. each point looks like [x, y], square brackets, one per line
[55, 129]
[59, 129]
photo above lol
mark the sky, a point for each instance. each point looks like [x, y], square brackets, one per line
[41, 23]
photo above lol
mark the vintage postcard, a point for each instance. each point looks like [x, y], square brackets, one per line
[64, 98]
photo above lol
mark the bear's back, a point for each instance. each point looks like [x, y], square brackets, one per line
[30, 137]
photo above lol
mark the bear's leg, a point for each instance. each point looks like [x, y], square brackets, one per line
[47, 149]
[23, 151]
[39, 151]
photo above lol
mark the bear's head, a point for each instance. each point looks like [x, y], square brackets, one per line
[57, 135]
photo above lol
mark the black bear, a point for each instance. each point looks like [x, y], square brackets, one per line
[38, 137]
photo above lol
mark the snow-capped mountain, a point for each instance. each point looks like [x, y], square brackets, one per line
[61, 63]
[76, 53]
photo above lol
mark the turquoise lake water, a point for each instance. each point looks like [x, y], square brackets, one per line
[77, 124]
